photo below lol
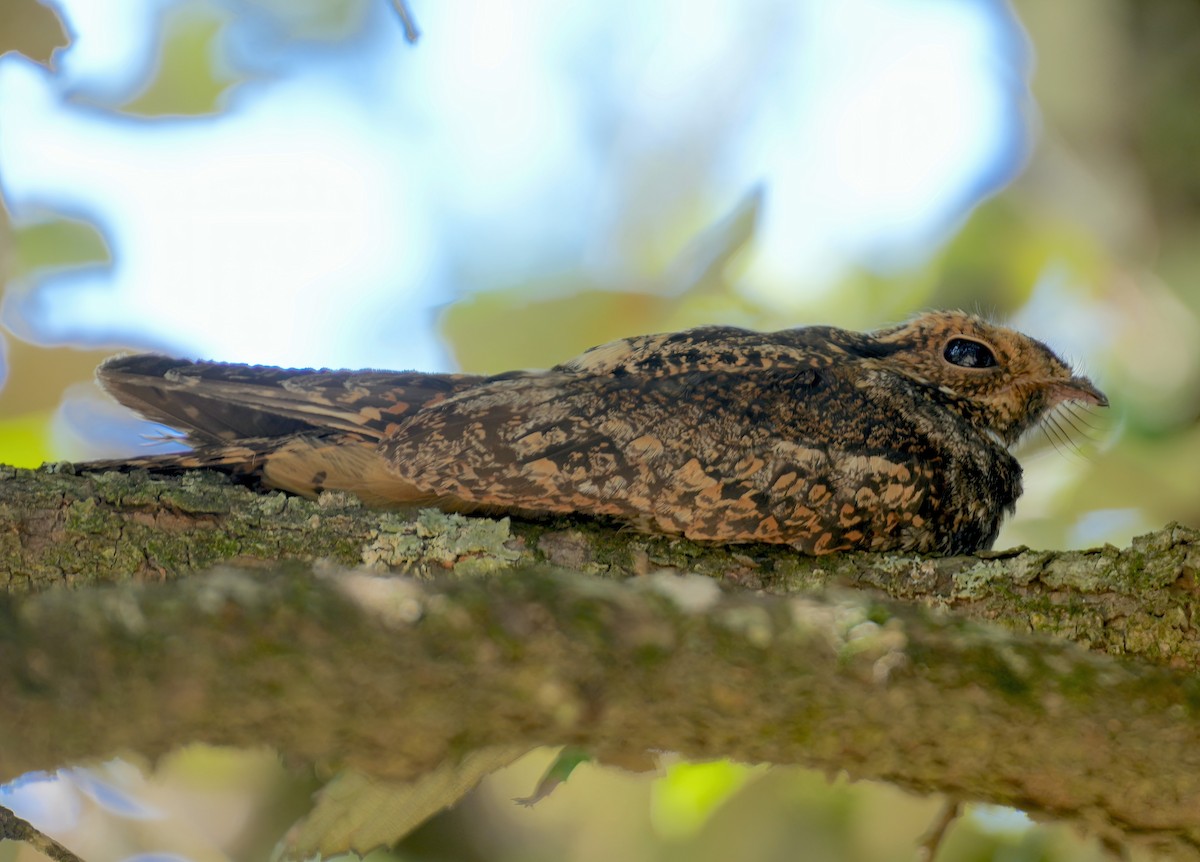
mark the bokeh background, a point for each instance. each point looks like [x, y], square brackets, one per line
[290, 182]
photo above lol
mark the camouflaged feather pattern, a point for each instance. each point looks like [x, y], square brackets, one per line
[815, 437]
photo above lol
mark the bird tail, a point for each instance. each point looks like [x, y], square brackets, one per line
[301, 430]
[245, 458]
[217, 402]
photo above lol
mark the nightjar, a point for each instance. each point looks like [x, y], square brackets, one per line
[819, 438]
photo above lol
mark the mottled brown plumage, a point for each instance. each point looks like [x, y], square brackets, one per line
[816, 437]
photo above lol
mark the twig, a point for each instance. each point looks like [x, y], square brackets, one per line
[928, 844]
[14, 828]
[411, 33]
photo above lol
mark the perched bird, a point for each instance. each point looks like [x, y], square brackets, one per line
[819, 438]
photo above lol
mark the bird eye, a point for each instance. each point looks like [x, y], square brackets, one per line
[969, 354]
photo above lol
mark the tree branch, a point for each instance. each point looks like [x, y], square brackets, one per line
[57, 527]
[392, 676]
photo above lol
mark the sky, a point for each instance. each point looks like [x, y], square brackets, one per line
[350, 189]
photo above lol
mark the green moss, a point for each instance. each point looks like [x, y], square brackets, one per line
[1005, 669]
[796, 574]
[879, 614]
[1191, 692]
[88, 516]
[983, 578]
[195, 495]
[1080, 681]
[1156, 637]
[198, 549]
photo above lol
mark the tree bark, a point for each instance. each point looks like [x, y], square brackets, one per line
[753, 653]
[58, 527]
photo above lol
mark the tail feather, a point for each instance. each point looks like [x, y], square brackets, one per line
[245, 458]
[301, 430]
[216, 402]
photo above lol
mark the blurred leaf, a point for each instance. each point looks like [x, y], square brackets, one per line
[242, 800]
[689, 793]
[32, 377]
[31, 29]
[355, 813]
[1163, 123]
[567, 318]
[8, 265]
[36, 377]
[867, 300]
[1158, 477]
[995, 261]
[58, 242]
[23, 439]
[703, 265]
[1178, 262]
[519, 328]
[190, 78]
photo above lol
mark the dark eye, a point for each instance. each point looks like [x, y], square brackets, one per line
[969, 354]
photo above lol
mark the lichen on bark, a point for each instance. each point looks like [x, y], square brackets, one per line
[237, 617]
[61, 527]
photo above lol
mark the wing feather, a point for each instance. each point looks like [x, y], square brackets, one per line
[216, 402]
[706, 349]
[718, 455]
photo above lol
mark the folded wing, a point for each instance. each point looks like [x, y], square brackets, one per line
[760, 454]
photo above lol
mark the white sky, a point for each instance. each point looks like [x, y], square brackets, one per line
[323, 219]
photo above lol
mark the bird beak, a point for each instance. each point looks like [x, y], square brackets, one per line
[1078, 389]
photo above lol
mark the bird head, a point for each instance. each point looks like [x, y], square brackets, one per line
[997, 378]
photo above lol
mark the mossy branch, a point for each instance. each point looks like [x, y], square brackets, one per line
[394, 675]
[58, 527]
[391, 676]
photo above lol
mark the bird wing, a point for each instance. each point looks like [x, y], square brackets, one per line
[710, 348]
[769, 451]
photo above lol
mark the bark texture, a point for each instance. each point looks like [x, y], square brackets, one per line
[61, 528]
[393, 675]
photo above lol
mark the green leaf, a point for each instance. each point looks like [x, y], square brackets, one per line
[556, 773]
[689, 793]
[58, 241]
[356, 813]
[190, 78]
[24, 440]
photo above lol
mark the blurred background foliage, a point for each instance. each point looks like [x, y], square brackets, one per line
[286, 181]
